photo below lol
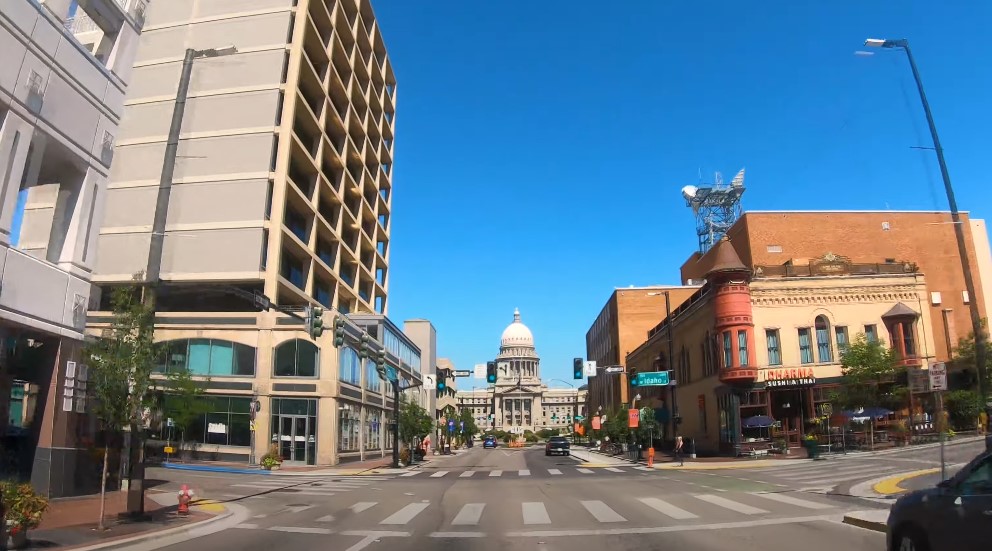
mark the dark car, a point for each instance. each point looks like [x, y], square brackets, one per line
[489, 442]
[956, 515]
[557, 445]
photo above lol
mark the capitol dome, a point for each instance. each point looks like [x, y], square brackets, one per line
[517, 334]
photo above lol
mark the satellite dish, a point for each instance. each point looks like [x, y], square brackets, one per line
[689, 192]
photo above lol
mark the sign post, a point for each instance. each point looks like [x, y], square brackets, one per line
[938, 384]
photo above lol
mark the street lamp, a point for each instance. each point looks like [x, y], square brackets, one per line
[969, 282]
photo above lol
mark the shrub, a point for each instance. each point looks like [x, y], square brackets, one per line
[24, 507]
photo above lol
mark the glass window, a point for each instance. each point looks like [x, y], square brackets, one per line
[208, 357]
[727, 350]
[226, 423]
[774, 347]
[908, 340]
[824, 350]
[979, 481]
[871, 333]
[742, 348]
[349, 427]
[372, 380]
[840, 332]
[805, 346]
[296, 358]
[373, 429]
[350, 370]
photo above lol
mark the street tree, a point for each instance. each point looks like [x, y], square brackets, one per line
[870, 373]
[471, 429]
[184, 401]
[121, 361]
[964, 356]
[415, 422]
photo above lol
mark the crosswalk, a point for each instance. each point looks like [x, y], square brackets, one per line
[827, 475]
[549, 472]
[303, 486]
[621, 511]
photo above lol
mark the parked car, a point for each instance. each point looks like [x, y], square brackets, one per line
[557, 444]
[955, 515]
[489, 442]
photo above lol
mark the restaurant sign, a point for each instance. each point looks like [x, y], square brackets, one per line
[790, 377]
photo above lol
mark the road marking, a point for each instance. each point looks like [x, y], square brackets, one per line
[790, 500]
[614, 470]
[371, 536]
[405, 514]
[535, 513]
[469, 515]
[411, 473]
[246, 526]
[326, 518]
[584, 471]
[838, 479]
[439, 474]
[666, 508]
[730, 504]
[297, 508]
[602, 512]
[458, 534]
[554, 472]
[890, 486]
[466, 474]
[300, 530]
[523, 472]
[643, 468]
[496, 473]
[362, 506]
[666, 529]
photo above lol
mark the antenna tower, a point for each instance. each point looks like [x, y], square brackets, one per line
[716, 208]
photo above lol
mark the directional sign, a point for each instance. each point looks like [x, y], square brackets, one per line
[579, 417]
[614, 369]
[653, 378]
[463, 373]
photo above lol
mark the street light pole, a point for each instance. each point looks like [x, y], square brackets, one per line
[671, 364]
[969, 282]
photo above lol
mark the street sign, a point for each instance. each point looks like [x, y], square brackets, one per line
[653, 378]
[614, 369]
[579, 418]
[919, 381]
[589, 369]
[938, 376]
[463, 373]
[451, 426]
[480, 371]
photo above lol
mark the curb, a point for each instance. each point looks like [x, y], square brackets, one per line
[157, 534]
[212, 469]
[865, 523]
[890, 486]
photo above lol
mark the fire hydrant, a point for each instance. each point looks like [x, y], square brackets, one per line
[651, 456]
[185, 497]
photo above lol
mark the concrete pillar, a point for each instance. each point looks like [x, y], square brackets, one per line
[73, 235]
[15, 139]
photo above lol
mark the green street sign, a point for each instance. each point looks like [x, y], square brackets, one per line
[579, 417]
[654, 378]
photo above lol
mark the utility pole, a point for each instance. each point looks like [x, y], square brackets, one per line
[671, 364]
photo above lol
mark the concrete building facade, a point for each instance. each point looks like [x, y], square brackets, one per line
[619, 328]
[520, 401]
[283, 187]
[423, 334]
[767, 340]
[64, 75]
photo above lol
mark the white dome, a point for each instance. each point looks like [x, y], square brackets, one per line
[517, 334]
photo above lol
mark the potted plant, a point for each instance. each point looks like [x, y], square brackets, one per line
[271, 460]
[24, 511]
[811, 444]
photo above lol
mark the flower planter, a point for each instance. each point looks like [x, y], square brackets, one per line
[812, 448]
[18, 539]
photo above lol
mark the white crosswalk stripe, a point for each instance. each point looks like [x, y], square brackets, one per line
[534, 512]
[496, 473]
[614, 470]
[730, 504]
[406, 514]
[466, 474]
[792, 500]
[363, 506]
[411, 473]
[469, 515]
[667, 509]
[523, 472]
[602, 512]
[439, 474]
[585, 471]
[554, 472]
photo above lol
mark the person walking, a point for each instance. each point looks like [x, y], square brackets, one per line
[678, 451]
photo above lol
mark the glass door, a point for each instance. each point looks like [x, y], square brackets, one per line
[296, 439]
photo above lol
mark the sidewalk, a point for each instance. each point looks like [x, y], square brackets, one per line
[71, 522]
[667, 461]
[379, 465]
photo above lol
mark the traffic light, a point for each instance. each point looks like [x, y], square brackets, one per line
[339, 331]
[577, 367]
[491, 372]
[632, 376]
[380, 364]
[364, 349]
[315, 321]
[442, 379]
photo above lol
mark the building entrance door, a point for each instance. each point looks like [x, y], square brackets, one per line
[295, 437]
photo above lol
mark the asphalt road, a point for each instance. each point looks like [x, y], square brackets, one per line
[526, 506]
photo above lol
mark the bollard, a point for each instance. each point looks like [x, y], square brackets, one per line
[651, 456]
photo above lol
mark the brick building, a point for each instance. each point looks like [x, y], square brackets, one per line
[792, 238]
[620, 327]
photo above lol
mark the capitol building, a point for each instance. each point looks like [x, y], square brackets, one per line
[522, 401]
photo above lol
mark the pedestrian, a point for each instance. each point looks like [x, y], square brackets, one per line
[678, 451]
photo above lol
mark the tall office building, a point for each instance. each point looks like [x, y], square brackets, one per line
[282, 186]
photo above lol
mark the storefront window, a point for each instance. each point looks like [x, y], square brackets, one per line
[805, 346]
[372, 380]
[208, 357]
[727, 350]
[373, 429]
[296, 358]
[226, 422]
[742, 348]
[349, 427]
[350, 370]
[823, 349]
[774, 348]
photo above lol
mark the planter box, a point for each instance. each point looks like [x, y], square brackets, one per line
[16, 541]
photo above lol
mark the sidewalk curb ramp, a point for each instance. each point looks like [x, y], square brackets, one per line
[864, 519]
[233, 514]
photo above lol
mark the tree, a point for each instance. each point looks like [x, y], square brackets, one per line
[121, 362]
[963, 408]
[647, 425]
[414, 421]
[184, 401]
[869, 370]
[964, 355]
[471, 429]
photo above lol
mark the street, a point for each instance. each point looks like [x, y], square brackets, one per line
[520, 499]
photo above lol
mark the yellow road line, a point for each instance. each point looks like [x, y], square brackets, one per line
[890, 485]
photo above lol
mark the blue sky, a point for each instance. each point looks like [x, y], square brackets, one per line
[541, 146]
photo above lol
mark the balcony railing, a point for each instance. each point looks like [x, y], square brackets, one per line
[83, 23]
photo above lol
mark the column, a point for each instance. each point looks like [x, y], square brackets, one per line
[73, 236]
[121, 57]
[900, 340]
[15, 139]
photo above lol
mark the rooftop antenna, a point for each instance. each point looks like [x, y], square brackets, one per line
[716, 207]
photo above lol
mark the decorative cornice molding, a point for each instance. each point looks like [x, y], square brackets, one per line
[834, 295]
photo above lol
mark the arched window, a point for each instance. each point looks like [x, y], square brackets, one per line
[296, 358]
[823, 347]
[209, 357]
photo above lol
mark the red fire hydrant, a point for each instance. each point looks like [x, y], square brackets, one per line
[185, 496]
